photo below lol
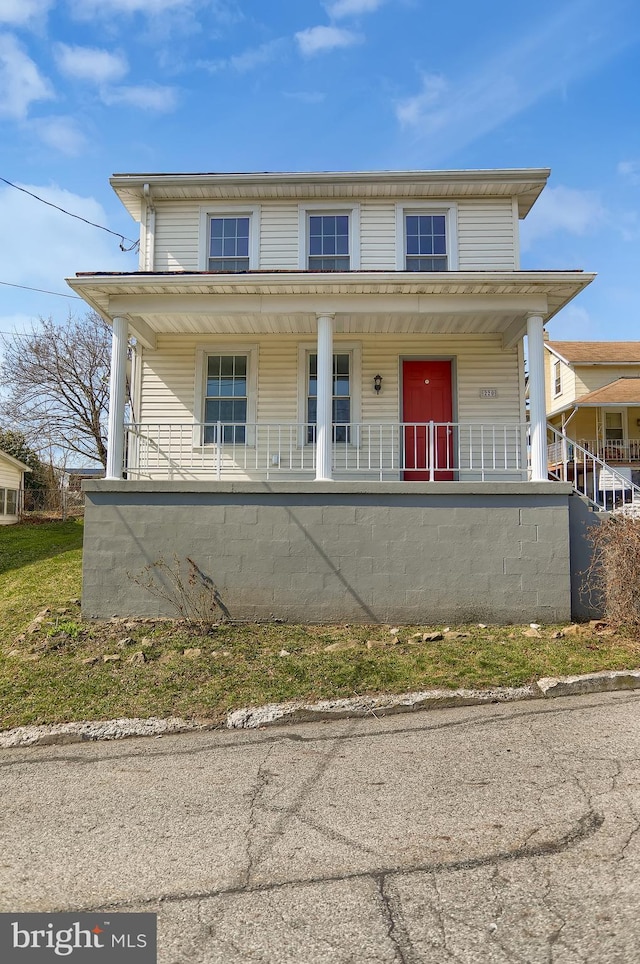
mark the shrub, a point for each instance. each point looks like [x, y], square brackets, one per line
[614, 572]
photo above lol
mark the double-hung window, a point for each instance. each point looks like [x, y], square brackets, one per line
[329, 237]
[557, 378]
[229, 239]
[426, 237]
[426, 242]
[228, 244]
[225, 392]
[341, 396]
[329, 242]
[226, 398]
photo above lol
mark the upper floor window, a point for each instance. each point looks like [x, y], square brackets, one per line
[229, 238]
[426, 242]
[426, 236]
[557, 378]
[329, 237]
[329, 242]
[228, 244]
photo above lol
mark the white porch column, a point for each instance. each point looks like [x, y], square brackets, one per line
[537, 408]
[324, 420]
[117, 398]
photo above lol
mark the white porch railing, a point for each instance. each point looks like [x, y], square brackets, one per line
[621, 451]
[432, 451]
[604, 486]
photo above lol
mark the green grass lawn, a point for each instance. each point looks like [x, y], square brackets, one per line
[43, 678]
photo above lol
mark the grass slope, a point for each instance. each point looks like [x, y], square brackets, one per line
[45, 676]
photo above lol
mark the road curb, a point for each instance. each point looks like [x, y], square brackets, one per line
[283, 714]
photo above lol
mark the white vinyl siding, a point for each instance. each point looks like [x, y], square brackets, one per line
[486, 239]
[378, 236]
[10, 480]
[177, 237]
[279, 237]
[478, 362]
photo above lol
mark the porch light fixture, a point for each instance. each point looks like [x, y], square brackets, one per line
[377, 383]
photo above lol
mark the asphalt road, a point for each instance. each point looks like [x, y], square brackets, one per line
[484, 834]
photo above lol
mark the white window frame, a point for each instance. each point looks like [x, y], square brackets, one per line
[322, 207]
[623, 425]
[352, 348]
[450, 211]
[16, 492]
[208, 211]
[216, 348]
[557, 378]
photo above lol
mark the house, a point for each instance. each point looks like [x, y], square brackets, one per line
[12, 472]
[328, 399]
[593, 396]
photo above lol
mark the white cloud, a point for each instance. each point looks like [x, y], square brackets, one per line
[144, 96]
[410, 112]
[630, 170]
[562, 209]
[63, 134]
[20, 12]
[45, 246]
[248, 60]
[317, 39]
[21, 83]
[352, 8]
[86, 9]
[90, 63]
[575, 41]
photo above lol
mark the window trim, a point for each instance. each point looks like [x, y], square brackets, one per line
[325, 207]
[352, 348]
[208, 211]
[450, 211]
[557, 378]
[216, 348]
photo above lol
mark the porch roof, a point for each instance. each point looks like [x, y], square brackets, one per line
[461, 302]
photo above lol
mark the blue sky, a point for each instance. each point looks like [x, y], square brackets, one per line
[93, 87]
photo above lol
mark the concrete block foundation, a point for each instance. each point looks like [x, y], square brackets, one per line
[337, 552]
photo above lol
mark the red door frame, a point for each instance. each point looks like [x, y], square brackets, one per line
[422, 442]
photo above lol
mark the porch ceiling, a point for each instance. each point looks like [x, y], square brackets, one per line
[288, 302]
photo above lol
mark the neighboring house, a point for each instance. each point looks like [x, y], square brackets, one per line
[328, 386]
[593, 396]
[12, 472]
[72, 478]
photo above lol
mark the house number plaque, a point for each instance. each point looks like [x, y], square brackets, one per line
[488, 393]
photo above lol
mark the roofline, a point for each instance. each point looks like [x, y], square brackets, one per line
[15, 461]
[220, 177]
[557, 353]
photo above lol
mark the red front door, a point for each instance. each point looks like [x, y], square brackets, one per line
[427, 398]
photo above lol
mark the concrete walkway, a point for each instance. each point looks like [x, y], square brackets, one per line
[481, 834]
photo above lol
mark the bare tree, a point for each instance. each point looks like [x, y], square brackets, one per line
[56, 380]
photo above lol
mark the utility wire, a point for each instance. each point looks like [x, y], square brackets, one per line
[43, 291]
[133, 244]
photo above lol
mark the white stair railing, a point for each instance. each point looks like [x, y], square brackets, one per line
[605, 487]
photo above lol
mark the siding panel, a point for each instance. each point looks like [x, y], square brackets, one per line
[486, 239]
